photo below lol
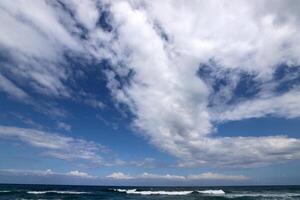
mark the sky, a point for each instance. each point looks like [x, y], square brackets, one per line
[150, 92]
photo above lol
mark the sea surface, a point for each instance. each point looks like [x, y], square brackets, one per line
[23, 192]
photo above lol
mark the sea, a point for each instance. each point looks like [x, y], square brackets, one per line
[45, 192]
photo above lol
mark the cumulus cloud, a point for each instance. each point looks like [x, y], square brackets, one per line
[79, 174]
[55, 145]
[119, 176]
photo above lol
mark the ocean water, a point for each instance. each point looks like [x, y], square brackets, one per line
[24, 192]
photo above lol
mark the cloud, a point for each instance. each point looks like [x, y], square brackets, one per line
[156, 176]
[194, 177]
[242, 151]
[46, 173]
[9, 87]
[216, 176]
[34, 56]
[79, 174]
[55, 145]
[147, 163]
[95, 103]
[171, 102]
[155, 74]
[37, 62]
[285, 105]
[119, 176]
[64, 126]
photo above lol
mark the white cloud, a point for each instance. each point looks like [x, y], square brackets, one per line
[216, 176]
[37, 57]
[46, 173]
[86, 12]
[37, 52]
[79, 174]
[171, 103]
[285, 105]
[157, 176]
[193, 177]
[119, 176]
[9, 87]
[55, 145]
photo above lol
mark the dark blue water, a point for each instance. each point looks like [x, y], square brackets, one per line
[147, 193]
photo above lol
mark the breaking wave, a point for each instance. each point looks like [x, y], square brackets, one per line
[148, 192]
[56, 192]
[213, 192]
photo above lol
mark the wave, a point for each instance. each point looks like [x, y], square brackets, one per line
[273, 195]
[57, 192]
[134, 191]
[5, 191]
[212, 192]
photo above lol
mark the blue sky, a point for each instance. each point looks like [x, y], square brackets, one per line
[147, 93]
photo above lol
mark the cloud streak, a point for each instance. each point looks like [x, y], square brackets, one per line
[55, 145]
[194, 177]
[47, 173]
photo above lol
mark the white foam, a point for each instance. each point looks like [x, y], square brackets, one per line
[55, 191]
[133, 191]
[4, 191]
[212, 192]
[120, 190]
[278, 195]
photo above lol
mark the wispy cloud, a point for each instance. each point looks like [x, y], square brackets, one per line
[9, 87]
[64, 126]
[55, 145]
[146, 175]
[37, 60]
[217, 176]
[285, 105]
[194, 177]
[94, 103]
[46, 173]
